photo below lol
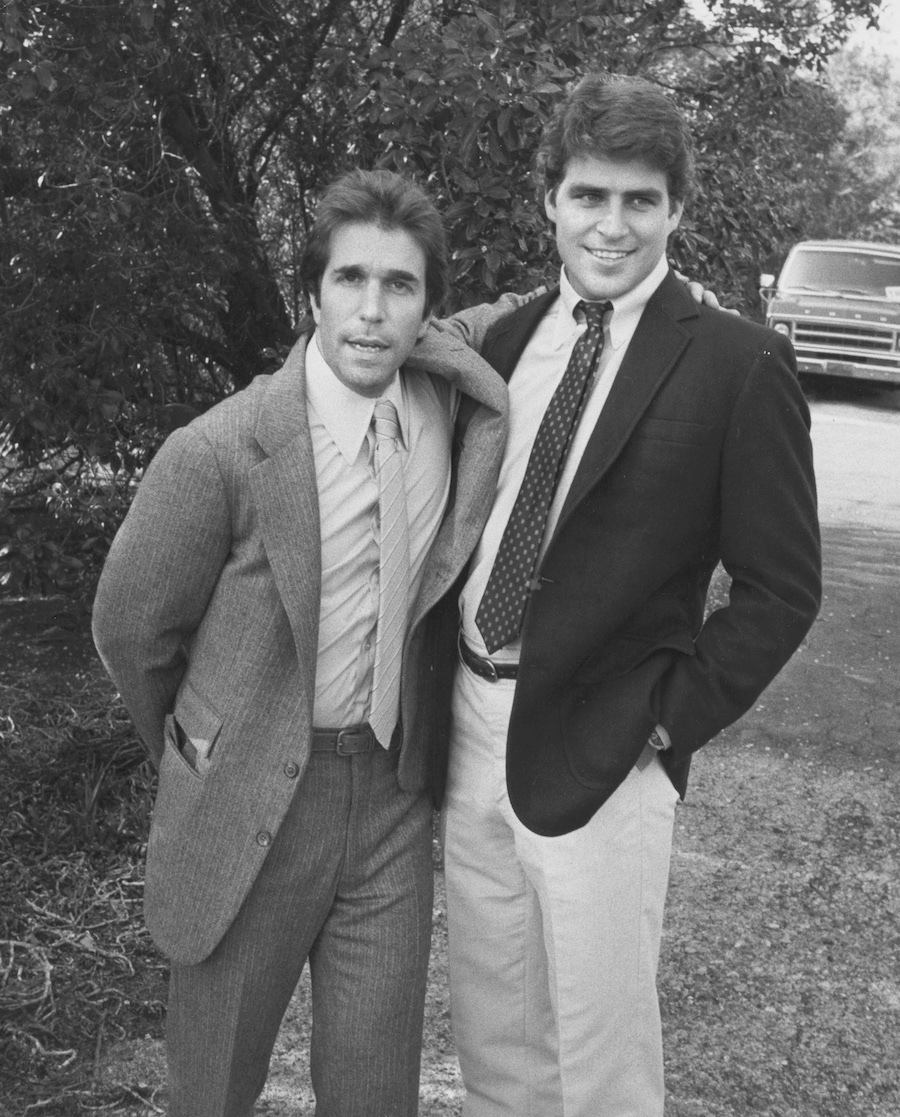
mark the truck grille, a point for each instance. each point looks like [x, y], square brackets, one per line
[864, 345]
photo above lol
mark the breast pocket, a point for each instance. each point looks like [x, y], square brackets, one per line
[684, 432]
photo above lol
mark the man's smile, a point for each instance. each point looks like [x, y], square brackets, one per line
[611, 255]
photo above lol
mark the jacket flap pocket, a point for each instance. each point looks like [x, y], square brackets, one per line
[624, 652]
[178, 746]
[199, 719]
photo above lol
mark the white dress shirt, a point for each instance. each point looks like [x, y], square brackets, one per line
[340, 423]
[536, 377]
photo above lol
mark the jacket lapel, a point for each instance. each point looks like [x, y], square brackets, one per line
[654, 350]
[285, 490]
[478, 464]
[506, 340]
[286, 499]
[481, 431]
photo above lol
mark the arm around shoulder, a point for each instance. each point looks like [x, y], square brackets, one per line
[471, 325]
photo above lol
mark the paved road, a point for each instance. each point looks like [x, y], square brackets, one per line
[846, 675]
[856, 436]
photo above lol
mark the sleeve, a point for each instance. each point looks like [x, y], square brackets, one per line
[158, 578]
[471, 326]
[451, 341]
[769, 544]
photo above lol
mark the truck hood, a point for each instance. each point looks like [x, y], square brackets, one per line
[796, 305]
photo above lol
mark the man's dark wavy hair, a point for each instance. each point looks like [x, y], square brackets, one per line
[390, 201]
[614, 116]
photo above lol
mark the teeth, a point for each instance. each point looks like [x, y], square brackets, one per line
[607, 254]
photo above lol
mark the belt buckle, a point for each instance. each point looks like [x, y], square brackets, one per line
[487, 669]
[490, 668]
[346, 737]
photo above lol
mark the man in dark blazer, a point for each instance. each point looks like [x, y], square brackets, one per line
[239, 615]
[650, 438]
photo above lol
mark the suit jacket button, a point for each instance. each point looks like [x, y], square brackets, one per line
[263, 838]
[291, 770]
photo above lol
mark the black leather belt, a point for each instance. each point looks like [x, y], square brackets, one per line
[486, 668]
[345, 742]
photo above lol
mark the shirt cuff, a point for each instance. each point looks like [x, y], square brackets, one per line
[665, 741]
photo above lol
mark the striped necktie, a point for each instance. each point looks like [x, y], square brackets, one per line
[393, 572]
[502, 607]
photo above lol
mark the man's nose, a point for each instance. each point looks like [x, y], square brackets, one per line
[611, 221]
[372, 307]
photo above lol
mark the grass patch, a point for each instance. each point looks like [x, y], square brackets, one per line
[77, 970]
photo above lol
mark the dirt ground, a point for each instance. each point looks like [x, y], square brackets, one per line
[780, 974]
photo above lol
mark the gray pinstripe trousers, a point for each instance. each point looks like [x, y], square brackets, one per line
[348, 884]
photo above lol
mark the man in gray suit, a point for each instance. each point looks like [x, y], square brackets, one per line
[243, 615]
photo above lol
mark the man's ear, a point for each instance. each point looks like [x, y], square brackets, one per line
[314, 307]
[550, 206]
[675, 211]
[423, 329]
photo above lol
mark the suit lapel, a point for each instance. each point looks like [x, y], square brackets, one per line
[506, 340]
[477, 466]
[284, 483]
[481, 433]
[654, 350]
[286, 495]
[286, 499]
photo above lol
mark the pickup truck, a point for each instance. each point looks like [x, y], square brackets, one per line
[839, 303]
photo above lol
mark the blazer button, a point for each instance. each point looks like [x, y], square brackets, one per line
[263, 838]
[291, 770]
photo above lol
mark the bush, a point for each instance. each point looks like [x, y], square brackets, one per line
[56, 543]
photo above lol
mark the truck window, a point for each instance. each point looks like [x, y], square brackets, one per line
[861, 273]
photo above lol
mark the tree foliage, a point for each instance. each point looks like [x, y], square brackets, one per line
[160, 159]
[867, 81]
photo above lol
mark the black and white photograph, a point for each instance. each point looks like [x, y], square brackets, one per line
[450, 558]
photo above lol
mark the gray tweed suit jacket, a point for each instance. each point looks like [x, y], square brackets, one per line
[207, 610]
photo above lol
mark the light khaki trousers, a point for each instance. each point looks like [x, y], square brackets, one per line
[554, 942]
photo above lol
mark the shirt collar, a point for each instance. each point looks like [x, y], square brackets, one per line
[345, 414]
[627, 309]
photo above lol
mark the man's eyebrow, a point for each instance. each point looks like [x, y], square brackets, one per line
[399, 273]
[389, 275]
[645, 192]
[591, 187]
[595, 188]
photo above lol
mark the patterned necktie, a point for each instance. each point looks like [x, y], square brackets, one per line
[502, 607]
[393, 584]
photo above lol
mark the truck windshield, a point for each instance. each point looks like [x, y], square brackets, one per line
[842, 272]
